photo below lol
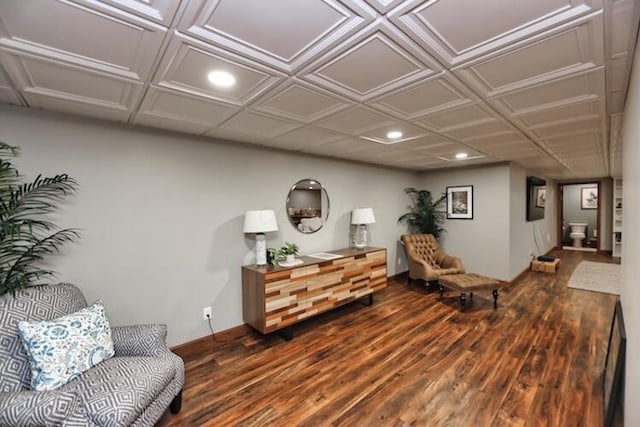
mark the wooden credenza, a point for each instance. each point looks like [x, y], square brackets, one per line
[274, 298]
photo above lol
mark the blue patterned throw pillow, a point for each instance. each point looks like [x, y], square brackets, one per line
[61, 349]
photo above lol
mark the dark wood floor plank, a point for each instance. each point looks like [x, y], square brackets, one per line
[414, 358]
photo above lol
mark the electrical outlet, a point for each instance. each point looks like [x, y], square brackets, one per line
[206, 313]
[532, 255]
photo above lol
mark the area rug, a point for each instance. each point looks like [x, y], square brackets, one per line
[597, 277]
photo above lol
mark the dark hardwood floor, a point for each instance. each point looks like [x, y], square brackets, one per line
[413, 359]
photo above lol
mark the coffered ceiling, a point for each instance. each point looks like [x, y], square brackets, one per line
[540, 83]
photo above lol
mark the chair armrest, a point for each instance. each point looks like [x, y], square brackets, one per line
[140, 340]
[449, 261]
[422, 269]
[39, 408]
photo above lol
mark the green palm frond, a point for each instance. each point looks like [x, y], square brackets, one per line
[27, 237]
[8, 174]
[36, 198]
[426, 214]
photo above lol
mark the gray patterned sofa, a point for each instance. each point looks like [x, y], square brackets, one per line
[134, 387]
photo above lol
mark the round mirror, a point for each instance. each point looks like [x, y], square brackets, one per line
[308, 205]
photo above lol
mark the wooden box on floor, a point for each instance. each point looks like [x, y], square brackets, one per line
[544, 266]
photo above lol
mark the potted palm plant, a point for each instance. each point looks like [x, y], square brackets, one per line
[426, 215]
[26, 234]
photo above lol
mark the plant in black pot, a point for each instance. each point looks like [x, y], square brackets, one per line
[27, 235]
[426, 215]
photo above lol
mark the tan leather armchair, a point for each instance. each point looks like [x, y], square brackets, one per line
[427, 261]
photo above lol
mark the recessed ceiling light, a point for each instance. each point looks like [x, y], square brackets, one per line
[221, 78]
[394, 134]
[461, 156]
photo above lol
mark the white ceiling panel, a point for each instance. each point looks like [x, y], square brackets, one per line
[81, 35]
[8, 96]
[76, 107]
[398, 61]
[38, 80]
[534, 82]
[186, 68]
[458, 117]
[480, 130]
[262, 33]
[423, 98]
[496, 23]
[344, 148]
[196, 113]
[355, 120]
[575, 50]
[623, 20]
[160, 11]
[304, 138]
[381, 135]
[298, 102]
[575, 89]
[568, 128]
[257, 125]
[555, 115]
[384, 6]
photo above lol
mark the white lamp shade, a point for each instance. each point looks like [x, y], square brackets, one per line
[362, 216]
[260, 221]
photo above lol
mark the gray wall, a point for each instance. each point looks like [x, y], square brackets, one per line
[630, 293]
[525, 237]
[162, 213]
[572, 210]
[498, 240]
[469, 238]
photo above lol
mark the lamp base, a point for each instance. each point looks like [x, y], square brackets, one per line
[261, 249]
[361, 237]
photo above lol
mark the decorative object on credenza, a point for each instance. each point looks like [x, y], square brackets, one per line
[308, 205]
[26, 234]
[614, 365]
[260, 222]
[360, 218]
[460, 202]
[589, 198]
[426, 214]
[285, 256]
[324, 255]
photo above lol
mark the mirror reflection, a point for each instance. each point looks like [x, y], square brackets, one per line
[308, 205]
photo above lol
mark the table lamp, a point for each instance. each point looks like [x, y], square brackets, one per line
[361, 217]
[260, 222]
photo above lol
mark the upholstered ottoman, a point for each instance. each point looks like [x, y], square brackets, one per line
[470, 283]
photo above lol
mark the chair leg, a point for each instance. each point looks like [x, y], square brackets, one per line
[176, 403]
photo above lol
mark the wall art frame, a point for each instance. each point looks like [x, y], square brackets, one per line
[460, 202]
[589, 197]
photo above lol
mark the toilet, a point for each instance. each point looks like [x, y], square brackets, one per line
[578, 233]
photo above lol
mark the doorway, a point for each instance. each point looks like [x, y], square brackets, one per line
[579, 216]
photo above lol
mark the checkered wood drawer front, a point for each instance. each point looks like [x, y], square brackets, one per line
[274, 298]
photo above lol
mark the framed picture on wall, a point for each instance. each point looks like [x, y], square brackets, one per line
[614, 365]
[541, 197]
[460, 202]
[589, 197]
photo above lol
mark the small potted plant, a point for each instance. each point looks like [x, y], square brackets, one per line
[286, 253]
